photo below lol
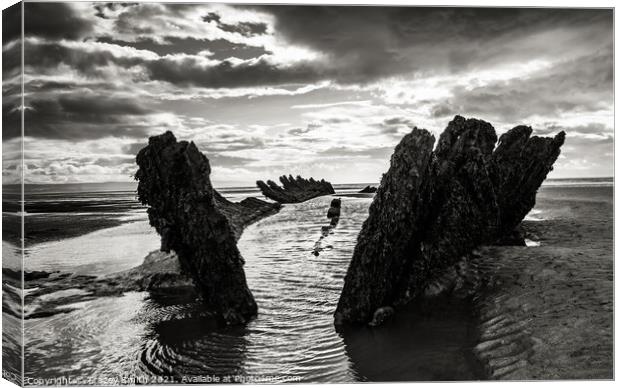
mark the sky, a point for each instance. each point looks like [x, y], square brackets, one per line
[312, 90]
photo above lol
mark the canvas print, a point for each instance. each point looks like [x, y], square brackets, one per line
[251, 193]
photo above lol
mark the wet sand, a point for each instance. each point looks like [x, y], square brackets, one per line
[540, 312]
[53, 227]
[546, 312]
[52, 221]
[292, 336]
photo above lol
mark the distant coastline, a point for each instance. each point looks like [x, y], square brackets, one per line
[129, 186]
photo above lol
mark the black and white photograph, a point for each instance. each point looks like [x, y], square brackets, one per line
[212, 192]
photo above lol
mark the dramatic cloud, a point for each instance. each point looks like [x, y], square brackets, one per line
[395, 124]
[57, 20]
[318, 90]
[584, 84]
[188, 71]
[219, 49]
[370, 42]
[243, 28]
[84, 116]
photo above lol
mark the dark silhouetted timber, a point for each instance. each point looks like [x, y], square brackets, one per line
[191, 218]
[295, 190]
[434, 206]
[333, 213]
[368, 190]
[160, 273]
[334, 208]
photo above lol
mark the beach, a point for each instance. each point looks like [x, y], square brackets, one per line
[536, 312]
[548, 310]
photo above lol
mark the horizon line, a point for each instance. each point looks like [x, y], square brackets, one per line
[236, 186]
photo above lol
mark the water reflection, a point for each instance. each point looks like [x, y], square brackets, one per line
[422, 343]
[194, 346]
[293, 334]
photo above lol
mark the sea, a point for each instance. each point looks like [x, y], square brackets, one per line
[141, 338]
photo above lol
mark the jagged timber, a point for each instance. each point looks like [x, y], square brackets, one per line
[295, 190]
[368, 190]
[188, 214]
[333, 214]
[434, 206]
[162, 272]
